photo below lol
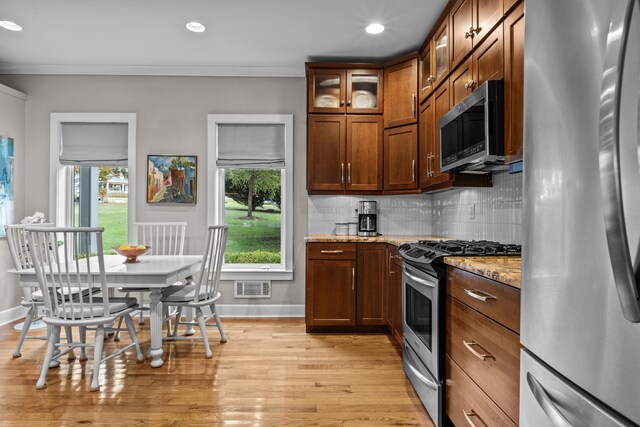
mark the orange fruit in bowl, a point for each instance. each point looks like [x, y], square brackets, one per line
[123, 247]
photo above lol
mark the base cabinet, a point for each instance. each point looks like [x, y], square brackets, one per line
[482, 350]
[394, 295]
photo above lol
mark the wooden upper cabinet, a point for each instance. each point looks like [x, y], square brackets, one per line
[488, 58]
[441, 105]
[344, 91]
[471, 21]
[427, 70]
[426, 135]
[364, 94]
[441, 47]
[513, 83]
[462, 25]
[461, 82]
[486, 14]
[326, 145]
[364, 153]
[400, 93]
[326, 90]
[400, 158]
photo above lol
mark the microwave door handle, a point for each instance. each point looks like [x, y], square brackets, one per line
[625, 276]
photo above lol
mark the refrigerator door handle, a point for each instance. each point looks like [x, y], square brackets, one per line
[625, 276]
[545, 402]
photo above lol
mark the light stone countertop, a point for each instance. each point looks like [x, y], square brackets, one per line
[503, 269]
[395, 240]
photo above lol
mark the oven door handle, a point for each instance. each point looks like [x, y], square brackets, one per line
[419, 280]
[421, 377]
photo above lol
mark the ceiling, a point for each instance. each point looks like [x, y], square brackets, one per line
[243, 37]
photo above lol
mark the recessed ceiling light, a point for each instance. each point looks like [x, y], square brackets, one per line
[11, 26]
[196, 27]
[374, 28]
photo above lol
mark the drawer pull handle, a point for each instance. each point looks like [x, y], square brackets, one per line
[337, 251]
[479, 295]
[470, 414]
[482, 356]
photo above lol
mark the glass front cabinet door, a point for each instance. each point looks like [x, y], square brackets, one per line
[345, 91]
[426, 72]
[441, 53]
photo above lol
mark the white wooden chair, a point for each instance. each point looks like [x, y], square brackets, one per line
[32, 296]
[204, 292]
[165, 238]
[58, 273]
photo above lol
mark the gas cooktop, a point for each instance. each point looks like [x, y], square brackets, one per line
[433, 251]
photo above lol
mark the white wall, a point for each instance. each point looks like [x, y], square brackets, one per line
[171, 119]
[12, 124]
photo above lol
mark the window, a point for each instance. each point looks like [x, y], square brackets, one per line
[91, 157]
[251, 174]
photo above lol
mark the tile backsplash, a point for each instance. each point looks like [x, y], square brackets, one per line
[471, 213]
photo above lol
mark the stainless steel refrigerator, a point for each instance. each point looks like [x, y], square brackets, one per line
[580, 364]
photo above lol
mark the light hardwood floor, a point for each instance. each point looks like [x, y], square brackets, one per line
[269, 373]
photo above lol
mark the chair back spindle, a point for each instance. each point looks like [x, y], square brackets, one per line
[69, 278]
[209, 278]
[165, 238]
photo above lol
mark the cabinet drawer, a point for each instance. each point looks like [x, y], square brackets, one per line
[495, 300]
[466, 404]
[331, 250]
[488, 352]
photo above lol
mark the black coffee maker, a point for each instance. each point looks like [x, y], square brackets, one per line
[367, 219]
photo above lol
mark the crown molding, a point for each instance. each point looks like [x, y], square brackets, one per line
[12, 92]
[145, 70]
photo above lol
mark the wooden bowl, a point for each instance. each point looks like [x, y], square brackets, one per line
[132, 254]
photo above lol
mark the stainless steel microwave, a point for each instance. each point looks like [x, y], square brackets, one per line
[471, 133]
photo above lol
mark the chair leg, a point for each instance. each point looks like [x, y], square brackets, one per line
[178, 314]
[116, 337]
[97, 359]
[68, 332]
[83, 340]
[141, 301]
[203, 331]
[134, 337]
[53, 338]
[223, 338]
[25, 329]
[165, 315]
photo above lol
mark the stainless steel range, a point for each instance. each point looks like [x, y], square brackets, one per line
[423, 281]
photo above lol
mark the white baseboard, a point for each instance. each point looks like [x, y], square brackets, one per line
[255, 310]
[11, 314]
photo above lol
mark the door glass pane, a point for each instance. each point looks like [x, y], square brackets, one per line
[419, 315]
[327, 91]
[441, 53]
[426, 72]
[364, 91]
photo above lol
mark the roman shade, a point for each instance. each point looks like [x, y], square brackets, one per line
[94, 144]
[250, 145]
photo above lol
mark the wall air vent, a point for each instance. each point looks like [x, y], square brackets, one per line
[252, 289]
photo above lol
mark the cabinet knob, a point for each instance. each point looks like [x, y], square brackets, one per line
[342, 102]
[349, 103]
[470, 84]
[431, 78]
[469, 33]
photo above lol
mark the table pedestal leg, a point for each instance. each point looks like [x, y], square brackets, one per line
[156, 329]
[189, 313]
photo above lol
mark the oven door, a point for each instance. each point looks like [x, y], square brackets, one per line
[420, 314]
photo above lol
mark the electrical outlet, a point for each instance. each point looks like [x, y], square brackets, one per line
[472, 211]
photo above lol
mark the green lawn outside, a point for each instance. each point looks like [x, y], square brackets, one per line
[113, 217]
[252, 241]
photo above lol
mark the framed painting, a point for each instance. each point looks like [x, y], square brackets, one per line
[6, 183]
[172, 179]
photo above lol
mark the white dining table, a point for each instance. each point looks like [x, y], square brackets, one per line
[155, 272]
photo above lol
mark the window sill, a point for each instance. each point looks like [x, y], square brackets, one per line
[273, 274]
